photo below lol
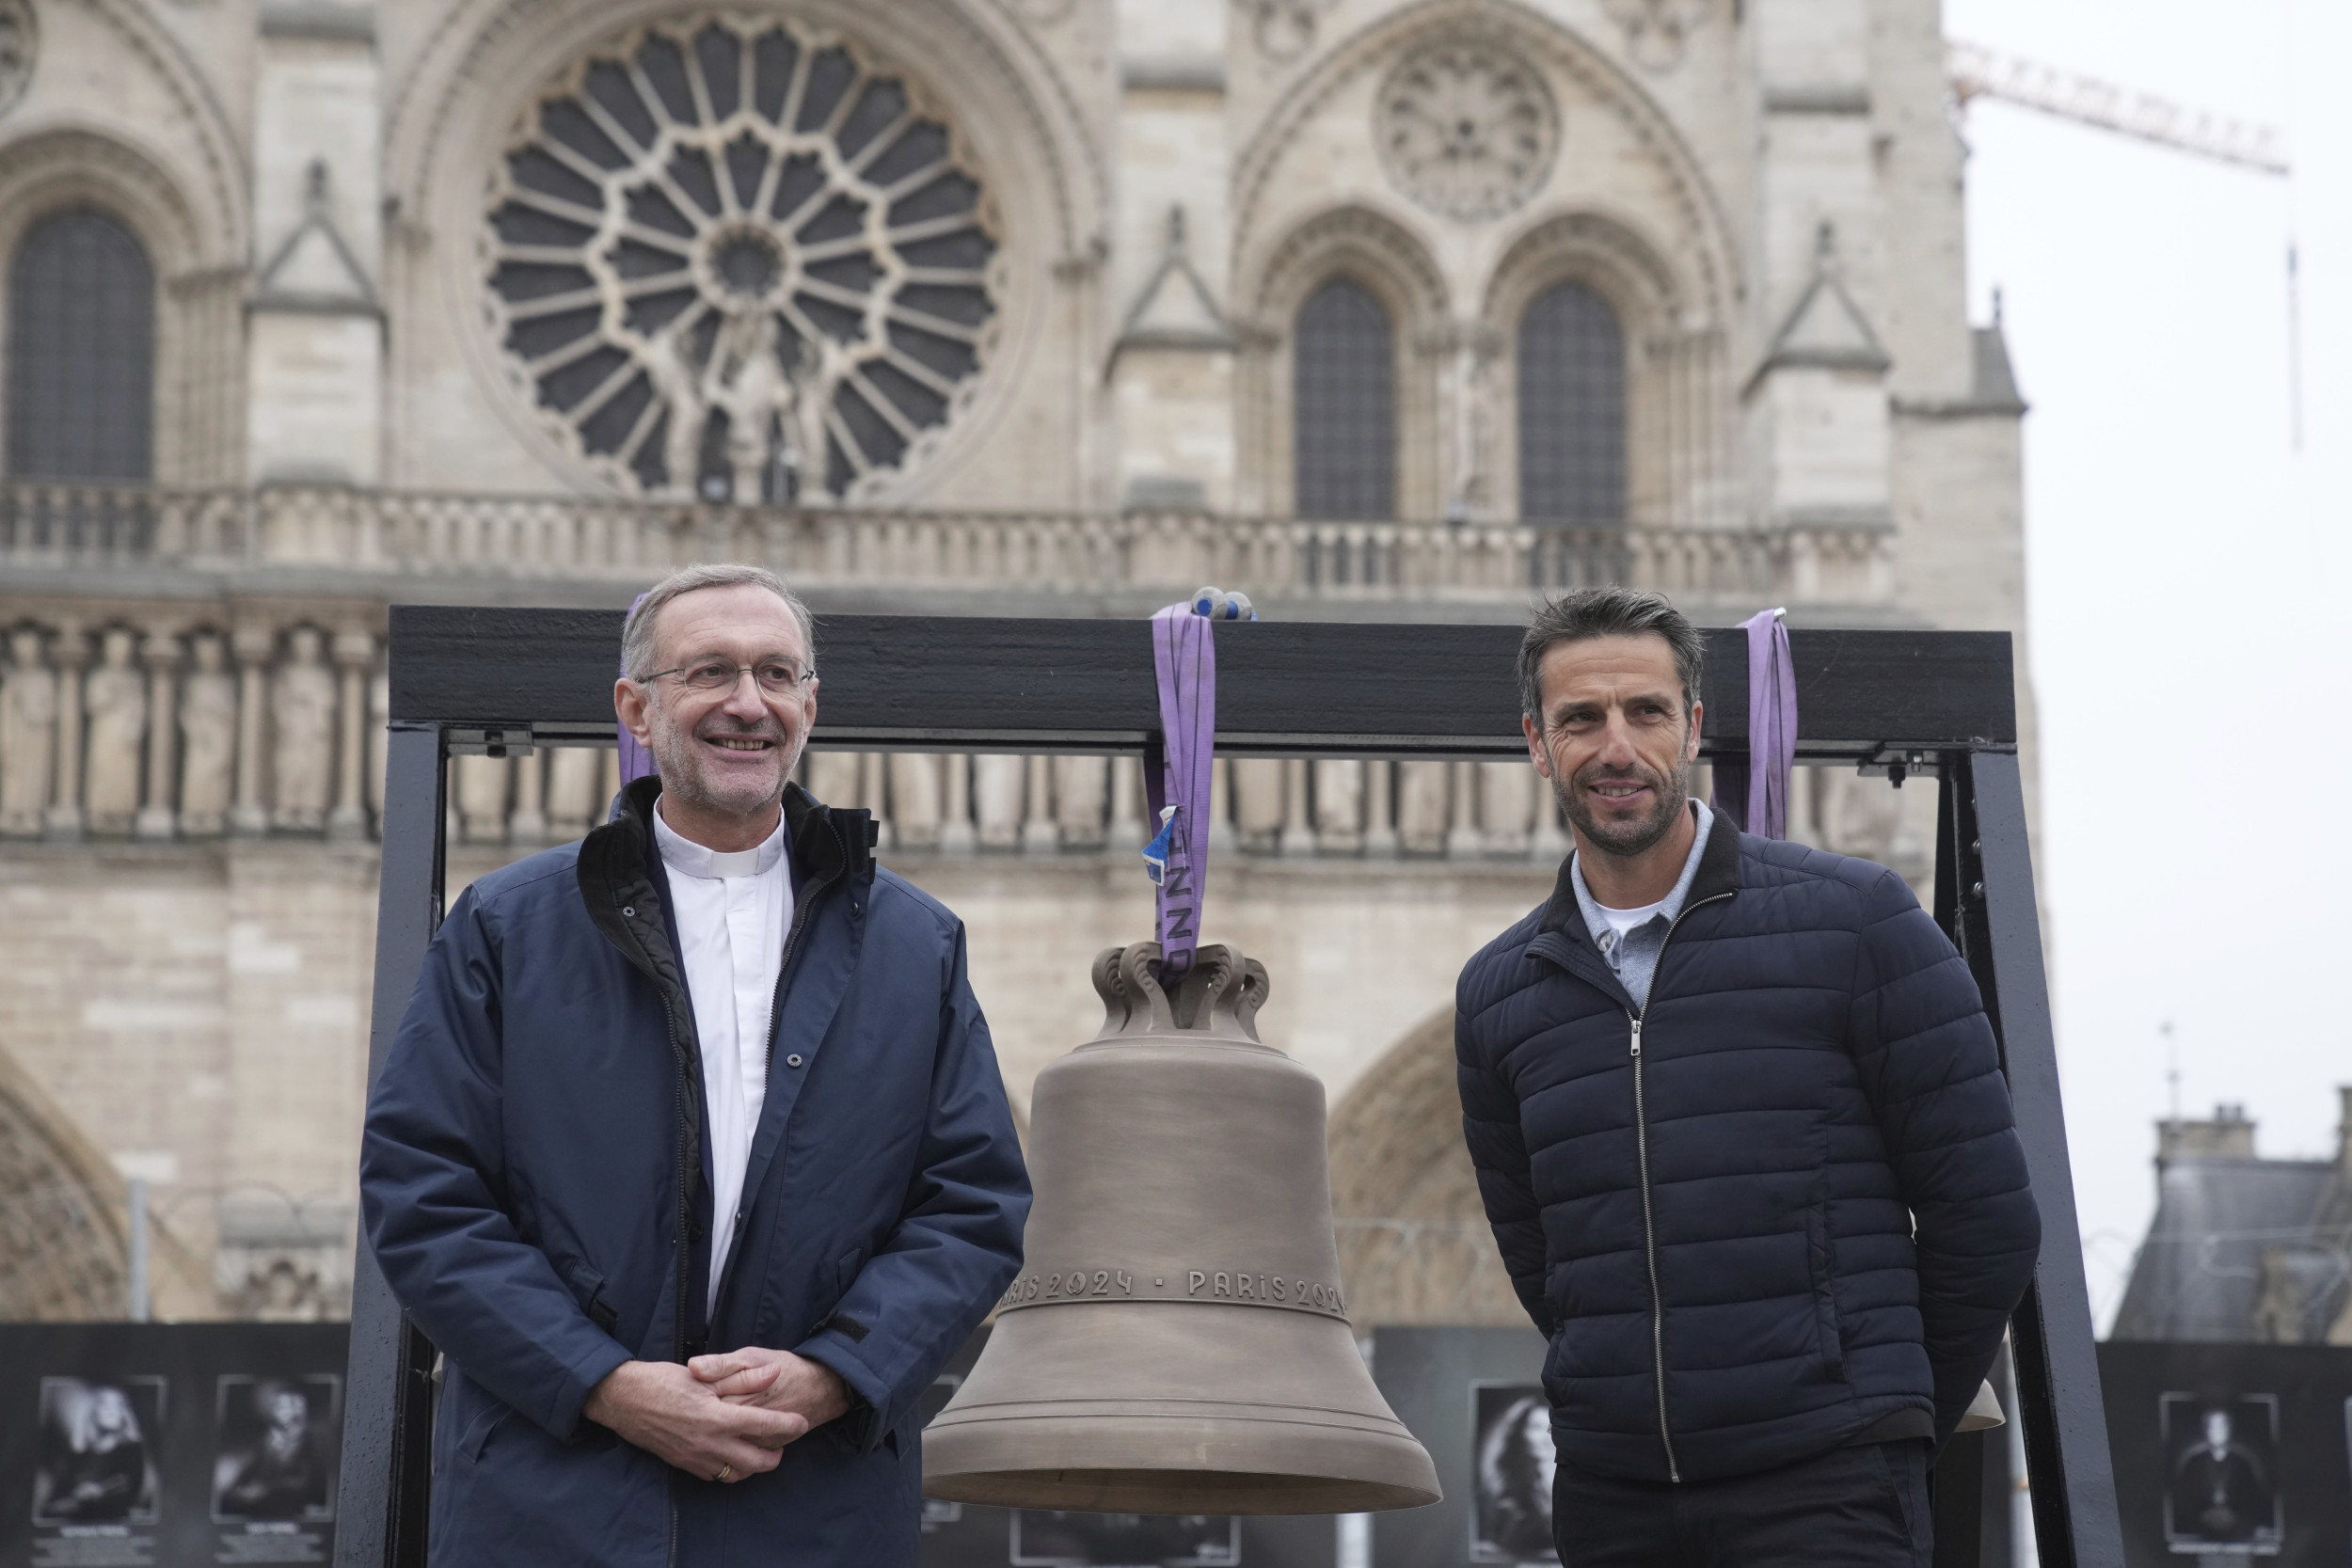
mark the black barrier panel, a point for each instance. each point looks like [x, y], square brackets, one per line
[150, 1445]
[2231, 1454]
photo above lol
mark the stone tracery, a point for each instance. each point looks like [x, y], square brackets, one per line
[750, 264]
[1466, 129]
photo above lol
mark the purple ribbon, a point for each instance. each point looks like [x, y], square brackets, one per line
[636, 762]
[1184, 655]
[1755, 791]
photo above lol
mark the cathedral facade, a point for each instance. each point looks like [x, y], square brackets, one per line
[1377, 309]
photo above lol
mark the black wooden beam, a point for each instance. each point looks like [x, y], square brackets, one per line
[1283, 687]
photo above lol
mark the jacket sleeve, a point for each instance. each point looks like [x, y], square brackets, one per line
[432, 1194]
[1929, 1062]
[957, 1244]
[1491, 1125]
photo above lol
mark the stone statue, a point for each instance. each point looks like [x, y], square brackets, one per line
[744, 378]
[1257, 802]
[1340, 804]
[1420, 806]
[208, 720]
[1081, 789]
[28, 726]
[914, 803]
[304, 709]
[115, 699]
[996, 789]
[573, 772]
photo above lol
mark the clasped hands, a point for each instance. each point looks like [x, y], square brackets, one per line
[719, 1416]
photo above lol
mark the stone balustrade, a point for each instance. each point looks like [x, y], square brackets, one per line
[166, 727]
[386, 535]
[191, 663]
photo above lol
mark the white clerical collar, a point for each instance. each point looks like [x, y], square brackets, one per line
[686, 857]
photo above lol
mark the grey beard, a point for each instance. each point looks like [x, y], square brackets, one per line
[1674, 794]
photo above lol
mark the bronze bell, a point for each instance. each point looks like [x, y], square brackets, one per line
[1177, 1341]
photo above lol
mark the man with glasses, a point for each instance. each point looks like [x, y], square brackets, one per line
[690, 1154]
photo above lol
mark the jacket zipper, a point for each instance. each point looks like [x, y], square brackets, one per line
[1649, 1222]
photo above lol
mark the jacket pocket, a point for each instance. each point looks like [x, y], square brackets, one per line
[1824, 1257]
[475, 1439]
[588, 1290]
[845, 1271]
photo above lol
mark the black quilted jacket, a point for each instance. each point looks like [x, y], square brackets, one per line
[1793, 1182]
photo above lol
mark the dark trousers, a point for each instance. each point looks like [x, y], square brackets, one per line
[1859, 1507]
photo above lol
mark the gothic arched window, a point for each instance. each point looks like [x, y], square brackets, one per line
[1571, 408]
[81, 351]
[1344, 404]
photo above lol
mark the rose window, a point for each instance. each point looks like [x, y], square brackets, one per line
[740, 262]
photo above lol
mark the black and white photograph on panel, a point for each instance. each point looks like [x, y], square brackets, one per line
[1511, 1466]
[275, 1461]
[96, 1462]
[1051, 1538]
[2223, 1492]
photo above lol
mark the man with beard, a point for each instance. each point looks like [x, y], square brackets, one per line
[1741, 1132]
[690, 1154]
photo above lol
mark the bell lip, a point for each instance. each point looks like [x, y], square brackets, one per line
[1174, 1490]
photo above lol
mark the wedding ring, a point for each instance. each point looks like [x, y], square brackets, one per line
[725, 1472]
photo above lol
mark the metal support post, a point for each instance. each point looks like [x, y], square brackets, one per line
[137, 1304]
[1985, 897]
[388, 1432]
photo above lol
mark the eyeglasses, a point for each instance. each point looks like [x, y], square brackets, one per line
[776, 678]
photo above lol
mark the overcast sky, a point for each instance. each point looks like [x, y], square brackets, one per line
[2186, 571]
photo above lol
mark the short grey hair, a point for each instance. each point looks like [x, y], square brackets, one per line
[637, 652]
[1585, 612]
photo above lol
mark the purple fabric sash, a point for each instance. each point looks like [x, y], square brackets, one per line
[636, 762]
[1756, 792]
[1184, 654]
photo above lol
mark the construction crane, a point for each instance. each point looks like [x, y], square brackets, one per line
[1979, 72]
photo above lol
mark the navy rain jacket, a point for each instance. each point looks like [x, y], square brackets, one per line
[1709, 1207]
[531, 1171]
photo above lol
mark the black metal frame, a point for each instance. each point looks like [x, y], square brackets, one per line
[1918, 705]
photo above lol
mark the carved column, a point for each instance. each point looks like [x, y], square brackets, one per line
[957, 835]
[29, 734]
[208, 730]
[249, 816]
[1299, 825]
[1039, 833]
[65, 820]
[1461, 835]
[161, 654]
[1380, 840]
[355, 651]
